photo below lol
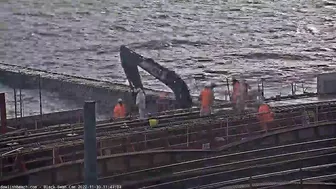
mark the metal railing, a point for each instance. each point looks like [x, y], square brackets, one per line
[139, 145]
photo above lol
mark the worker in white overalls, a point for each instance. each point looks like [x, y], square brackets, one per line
[141, 103]
[241, 98]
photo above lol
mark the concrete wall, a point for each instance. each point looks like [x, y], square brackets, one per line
[326, 83]
[32, 122]
[74, 88]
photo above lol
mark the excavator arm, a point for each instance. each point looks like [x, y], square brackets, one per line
[130, 61]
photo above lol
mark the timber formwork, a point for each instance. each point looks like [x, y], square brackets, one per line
[173, 133]
[320, 142]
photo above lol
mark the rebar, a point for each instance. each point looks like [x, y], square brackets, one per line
[172, 126]
[21, 105]
[194, 115]
[71, 145]
[179, 126]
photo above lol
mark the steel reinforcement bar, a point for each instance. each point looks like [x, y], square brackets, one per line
[71, 172]
[171, 115]
[103, 130]
[163, 130]
[117, 127]
[47, 134]
[172, 137]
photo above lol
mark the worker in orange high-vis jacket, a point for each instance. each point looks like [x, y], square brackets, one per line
[207, 99]
[239, 94]
[119, 110]
[265, 116]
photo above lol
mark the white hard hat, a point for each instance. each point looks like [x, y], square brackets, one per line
[120, 100]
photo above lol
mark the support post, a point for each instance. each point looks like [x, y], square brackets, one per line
[187, 136]
[316, 115]
[3, 116]
[90, 144]
[228, 88]
[15, 104]
[40, 94]
[54, 156]
[145, 141]
[301, 181]
[250, 182]
[101, 148]
[1, 174]
[262, 88]
[227, 130]
[21, 108]
[20, 95]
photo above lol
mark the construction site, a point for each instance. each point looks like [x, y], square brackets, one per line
[224, 150]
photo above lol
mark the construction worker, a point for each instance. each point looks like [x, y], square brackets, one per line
[119, 111]
[239, 94]
[162, 102]
[265, 116]
[141, 103]
[207, 99]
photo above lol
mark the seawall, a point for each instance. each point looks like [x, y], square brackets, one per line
[55, 118]
[75, 88]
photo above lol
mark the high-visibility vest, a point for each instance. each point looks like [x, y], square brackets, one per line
[206, 97]
[265, 113]
[119, 111]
